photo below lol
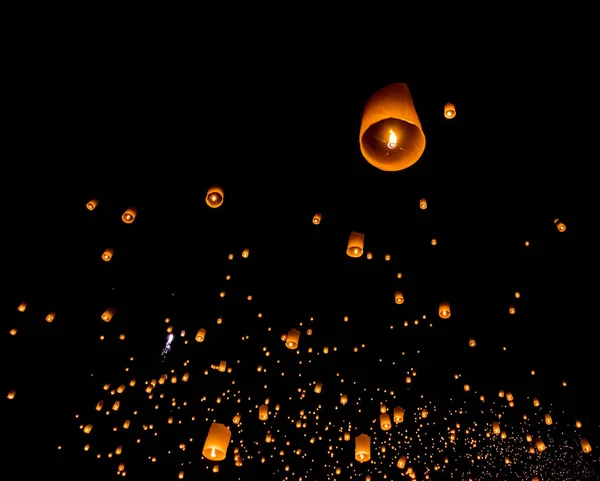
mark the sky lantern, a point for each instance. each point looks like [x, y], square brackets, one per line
[92, 204]
[449, 110]
[108, 314]
[217, 441]
[292, 339]
[399, 297]
[22, 307]
[200, 335]
[385, 422]
[129, 215]
[444, 310]
[391, 137]
[362, 449]
[356, 244]
[107, 254]
[423, 204]
[214, 196]
[317, 218]
[560, 225]
[585, 445]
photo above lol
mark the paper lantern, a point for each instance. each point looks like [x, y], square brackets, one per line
[108, 314]
[107, 254]
[200, 335]
[362, 448]
[343, 399]
[548, 419]
[292, 339]
[50, 317]
[496, 427]
[245, 253]
[263, 412]
[391, 137]
[318, 388]
[317, 218]
[11, 394]
[423, 204]
[22, 307]
[585, 445]
[399, 297]
[217, 442]
[92, 204]
[560, 226]
[214, 196]
[444, 310]
[129, 215]
[472, 342]
[356, 244]
[385, 422]
[539, 444]
[449, 111]
[401, 462]
[398, 414]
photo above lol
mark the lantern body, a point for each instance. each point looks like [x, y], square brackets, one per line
[200, 335]
[391, 137]
[217, 441]
[362, 449]
[398, 414]
[107, 254]
[108, 314]
[423, 204]
[444, 310]
[263, 412]
[92, 204]
[318, 387]
[22, 307]
[399, 297]
[449, 111]
[129, 215]
[292, 339]
[214, 196]
[585, 445]
[317, 218]
[356, 244]
[385, 422]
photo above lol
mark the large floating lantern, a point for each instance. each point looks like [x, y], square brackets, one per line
[391, 137]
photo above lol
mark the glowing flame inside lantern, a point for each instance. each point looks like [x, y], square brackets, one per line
[213, 454]
[392, 140]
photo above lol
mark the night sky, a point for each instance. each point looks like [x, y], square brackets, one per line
[284, 145]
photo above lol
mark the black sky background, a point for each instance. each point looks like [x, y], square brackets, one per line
[156, 131]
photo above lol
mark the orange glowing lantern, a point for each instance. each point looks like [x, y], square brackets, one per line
[292, 339]
[214, 196]
[263, 412]
[217, 442]
[318, 388]
[548, 419]
[356, 244]
[539, 444]
[401, 462]
[585, 445]
[11, 394]
[449, 111]
[423, 204]
[50, 317]
[200, 335]
[385, 422]
[399, 297]
[108, 314]
[496, 427]
[391, 137]
[107, 254]
[560, 226]
[398, 414]
[472, 342]
[92, 204]
[362, 448]
[22, 307]
[444, 310]
[129, 215]
[317, 218]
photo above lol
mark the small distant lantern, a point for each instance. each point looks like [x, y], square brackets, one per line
[318, 388]
[539, 444]
[108, 314]
[362, 449]
[263, 412]
[214, 196]
[424, 413]
[200, 335]
[217, 442]
[356, 244]
[449, 111]
[245, 253]
[391, 137]
[585, 445]
[384, 421]
[292, 339]
[548, 419]
[401, 462]
[107, 254]
[50, 317]
[560, 226]
[398, 414]
[496, 427]
[11, 394]
[343, 399]
[433, 242]
[536, 402]
[472, 342]
[399, 297]
[423, 203]
[22, 307]
[317, 218]
[444, 310]
[129, 215]
[369, 255]
[467, 388]
[511, 309]
[92, 204]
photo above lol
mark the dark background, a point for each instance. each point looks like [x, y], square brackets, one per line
[155, 128]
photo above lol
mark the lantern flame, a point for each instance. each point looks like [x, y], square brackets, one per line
[392, 140]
